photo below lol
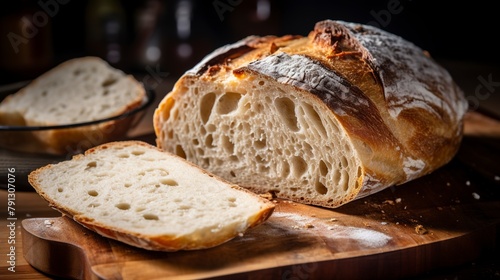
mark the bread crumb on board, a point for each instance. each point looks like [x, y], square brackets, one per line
[267, 195]
[476, 196]
[48, 223]
[421, 230]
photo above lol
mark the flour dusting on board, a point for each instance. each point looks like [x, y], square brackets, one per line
[364, 237]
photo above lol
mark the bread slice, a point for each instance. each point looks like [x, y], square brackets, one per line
[133, 192]
[78, 90]
[340, 114]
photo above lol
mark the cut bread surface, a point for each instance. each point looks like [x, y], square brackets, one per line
[135, 193]
[260, 127]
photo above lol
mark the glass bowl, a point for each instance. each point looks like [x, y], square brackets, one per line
[70, 138]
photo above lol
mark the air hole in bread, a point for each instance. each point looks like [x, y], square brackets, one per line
[206, 106]
[122, 206]
[78, 71]
[150, 217]
[232, 173]
[140, 209]
[264, 168]
[345, 180]
[60, 189]
[336, 177]
[91, 164]
[166, 113]
[227, 144]
[44, 93]
[102, 174]
[228, 103]
[314, 118]
[299, 166]
[169, 182]
[123, 155]
[286, 110]
[323, 169]
[211, 128]
[105, 92]
[161, 171]
[234, 158]
[109, 81]
[175, 114]
[285, 169]
[184, 207]
[138, 152]
[260, 143]
[358, 176]
[203, 131]
[320, 187]
[127, 185]
[343, 162]
[209, 141]
[224, 128]
[180, 151]
[259, 159]
[94, 205]
[93, 193]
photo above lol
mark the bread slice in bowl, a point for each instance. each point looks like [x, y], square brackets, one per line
[79, 90]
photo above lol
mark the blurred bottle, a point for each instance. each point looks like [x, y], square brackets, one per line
[188, 38]
[26, 48]
[106, 31]
[148, 40]
[254, 17]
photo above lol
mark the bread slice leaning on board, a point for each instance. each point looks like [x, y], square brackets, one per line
[79, 90]
[135, 193]
[337, 115]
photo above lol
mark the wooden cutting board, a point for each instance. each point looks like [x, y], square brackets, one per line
[446, 218]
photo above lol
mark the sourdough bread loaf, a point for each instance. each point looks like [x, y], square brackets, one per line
[340, 114]
[132, 192]
[79, 90]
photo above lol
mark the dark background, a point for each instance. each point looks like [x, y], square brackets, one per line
[464, 31]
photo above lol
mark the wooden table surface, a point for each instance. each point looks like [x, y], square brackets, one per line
[30, 205]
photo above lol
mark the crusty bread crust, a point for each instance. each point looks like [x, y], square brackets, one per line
[134, 237]
[401, 111]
